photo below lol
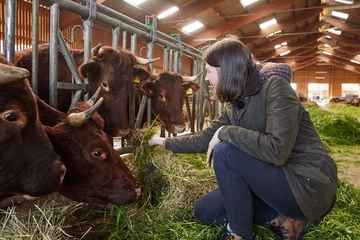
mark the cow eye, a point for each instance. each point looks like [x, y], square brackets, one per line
[97, 153]
[104, 84]
[12, 117]
[161, 97]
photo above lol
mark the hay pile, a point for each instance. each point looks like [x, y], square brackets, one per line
[168, 181]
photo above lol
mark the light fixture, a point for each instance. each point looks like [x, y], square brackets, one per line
[354, 61]
[320, 72]
[339, 14]
[327, 53]
[284, 53]
[273, 34]
[192, 26]
[268, 23]
[135, 2]
[337, 32]
[280, 45]
[248, 2]
[319, 77]
[344, 1]
[168, 12]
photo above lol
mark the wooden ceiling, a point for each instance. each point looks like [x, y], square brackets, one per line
[304, 25]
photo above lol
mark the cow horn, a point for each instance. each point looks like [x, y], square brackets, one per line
[92, 100]
[154, 76]
[141, 60]
[9, 73]
[95, 50]
[190, 78]
[78, 119]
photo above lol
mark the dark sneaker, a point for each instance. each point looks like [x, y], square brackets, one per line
[290, 229]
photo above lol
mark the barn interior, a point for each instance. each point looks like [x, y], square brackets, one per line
[319, 39]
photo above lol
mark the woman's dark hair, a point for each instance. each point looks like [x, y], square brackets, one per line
[235, 64]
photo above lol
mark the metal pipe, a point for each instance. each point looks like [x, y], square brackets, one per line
[53, 61]
[35, 43]
[10, 30]
[111, 22]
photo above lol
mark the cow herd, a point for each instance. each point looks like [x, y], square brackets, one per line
[67, 150]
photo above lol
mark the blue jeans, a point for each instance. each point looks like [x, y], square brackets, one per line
[250, 191]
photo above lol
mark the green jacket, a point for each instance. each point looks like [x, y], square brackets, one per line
[274, 127]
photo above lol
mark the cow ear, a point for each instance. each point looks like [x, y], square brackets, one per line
[190, 88]
[148, 88]
[140, 75]
[89, 68]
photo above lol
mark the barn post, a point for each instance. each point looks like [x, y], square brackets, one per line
[35, 42]
[151, 22]
[10, 30]
[88, 25]
[53, 61]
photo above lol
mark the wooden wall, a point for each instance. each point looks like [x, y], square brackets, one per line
[23, 31]
[331, 75]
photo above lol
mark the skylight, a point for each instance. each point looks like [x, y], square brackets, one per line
[327, 53]
[268, 23]
[248, 2]
[339, 14]
[192, 27]
[354, 61]
[135, 2]
[168, 12]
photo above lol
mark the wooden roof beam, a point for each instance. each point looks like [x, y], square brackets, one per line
[188, 11]
[238, 22]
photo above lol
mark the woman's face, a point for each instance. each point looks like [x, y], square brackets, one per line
[212, 76]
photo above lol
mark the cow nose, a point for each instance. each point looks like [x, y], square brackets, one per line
[178, 128]
[62, 172]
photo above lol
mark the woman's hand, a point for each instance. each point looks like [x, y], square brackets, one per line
[157, 140]
[215, 140]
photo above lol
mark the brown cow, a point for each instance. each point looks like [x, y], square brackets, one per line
[28, 163]
[167, 92]
[96, 173]
[111, 69]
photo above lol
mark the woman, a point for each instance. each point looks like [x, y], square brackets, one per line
[270, 164]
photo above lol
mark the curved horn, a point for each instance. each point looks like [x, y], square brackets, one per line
[190, 78]
[92, 100]
[95, 50]
[78, 119]
[9, 73]
[141, 60]
[154, 76]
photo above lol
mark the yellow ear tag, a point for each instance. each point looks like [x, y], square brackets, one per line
[189, 91]
[87, 74]
[150, 91]
[136, 79]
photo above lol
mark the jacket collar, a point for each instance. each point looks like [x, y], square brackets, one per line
[253, 85]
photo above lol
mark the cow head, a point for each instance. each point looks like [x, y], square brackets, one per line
[167, 93]
[95, 172]
[28, 163]
[114, 70]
